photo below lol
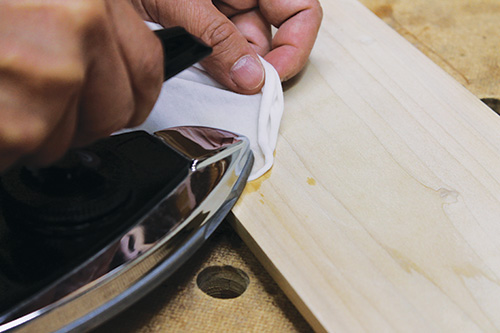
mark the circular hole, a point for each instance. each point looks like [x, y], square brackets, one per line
[223, 281]
[493, 103]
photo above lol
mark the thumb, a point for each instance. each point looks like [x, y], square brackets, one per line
[233, 62]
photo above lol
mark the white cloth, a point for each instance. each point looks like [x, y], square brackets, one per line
[192, 97]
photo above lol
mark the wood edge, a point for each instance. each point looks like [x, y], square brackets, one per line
[274, 272]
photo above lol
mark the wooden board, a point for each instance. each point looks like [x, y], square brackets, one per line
[382, 210]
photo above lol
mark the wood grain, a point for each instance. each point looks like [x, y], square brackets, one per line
[382, 209]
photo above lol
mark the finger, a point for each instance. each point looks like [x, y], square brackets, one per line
[106, 101]
[143, 56]
[234, 7]
[233, 62]
[298, 23]
[38, 78]
[17, 136]
[254, 27]
[28, 127]
[59, 141]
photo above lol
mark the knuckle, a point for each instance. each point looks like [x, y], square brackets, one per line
[218, 33]
[63, 72]
[64, 78]
[22, 137]
[84, 14]
[48, 69]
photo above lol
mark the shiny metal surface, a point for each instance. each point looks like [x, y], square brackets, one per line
[152, 249]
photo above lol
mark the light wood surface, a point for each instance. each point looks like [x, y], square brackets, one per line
[382, 210]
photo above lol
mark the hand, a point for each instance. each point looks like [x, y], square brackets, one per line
[72, 71]
[238, 30]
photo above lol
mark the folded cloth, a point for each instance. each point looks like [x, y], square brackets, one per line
[194, 98]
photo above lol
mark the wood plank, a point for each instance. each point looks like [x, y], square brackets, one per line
[382, 209]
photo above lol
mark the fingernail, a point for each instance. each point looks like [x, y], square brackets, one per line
[247, 72]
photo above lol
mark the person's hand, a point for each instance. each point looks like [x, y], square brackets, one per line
[238, 30]
[72, 71]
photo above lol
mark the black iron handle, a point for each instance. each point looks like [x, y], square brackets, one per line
[180, 50]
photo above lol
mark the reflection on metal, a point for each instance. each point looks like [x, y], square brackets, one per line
[152, 249]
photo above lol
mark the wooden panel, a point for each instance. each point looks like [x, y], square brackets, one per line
[382, 209]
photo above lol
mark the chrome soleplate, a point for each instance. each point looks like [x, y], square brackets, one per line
[152, 247]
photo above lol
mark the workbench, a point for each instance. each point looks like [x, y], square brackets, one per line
[462, 37]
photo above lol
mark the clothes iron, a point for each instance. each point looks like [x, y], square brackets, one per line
[83, 239]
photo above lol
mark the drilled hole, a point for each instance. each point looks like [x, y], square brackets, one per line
[493, 103]
[223, 281]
